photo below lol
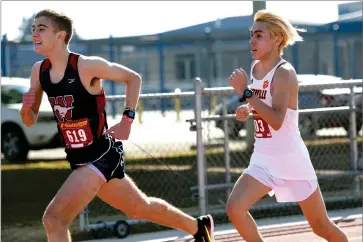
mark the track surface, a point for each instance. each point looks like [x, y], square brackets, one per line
[294, 233]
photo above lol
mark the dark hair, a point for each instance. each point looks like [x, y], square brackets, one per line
[61, 22]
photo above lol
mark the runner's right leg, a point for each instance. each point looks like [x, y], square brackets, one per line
[246, 192]
[74, 195]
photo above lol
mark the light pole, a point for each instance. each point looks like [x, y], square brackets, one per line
[207, 33]
[258, 5]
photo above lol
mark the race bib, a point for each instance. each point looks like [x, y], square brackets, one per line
[262, 129]
[76, 133]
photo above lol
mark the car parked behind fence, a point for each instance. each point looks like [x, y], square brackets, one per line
[308, 123]
[16, 138]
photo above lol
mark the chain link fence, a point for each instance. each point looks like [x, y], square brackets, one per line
[196, 170]
[160, 156]
[330, 124]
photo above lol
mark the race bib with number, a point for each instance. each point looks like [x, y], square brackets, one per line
[262, 129]
[76, 133]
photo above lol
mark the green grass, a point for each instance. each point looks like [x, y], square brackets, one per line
[28, 188]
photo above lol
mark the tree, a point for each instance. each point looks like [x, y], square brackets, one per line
[25, 29]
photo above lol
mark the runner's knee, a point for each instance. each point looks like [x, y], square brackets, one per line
[235, 208]
[326, 229]
[53, 221]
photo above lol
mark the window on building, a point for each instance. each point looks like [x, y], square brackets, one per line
[234, 59]
[185, 67]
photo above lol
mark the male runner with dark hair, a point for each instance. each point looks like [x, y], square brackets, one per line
[73, 85]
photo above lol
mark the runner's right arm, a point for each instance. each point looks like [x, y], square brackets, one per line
[32, 98]
[284, 79]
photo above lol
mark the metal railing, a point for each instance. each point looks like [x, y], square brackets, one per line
[228, 91]
[201, 189]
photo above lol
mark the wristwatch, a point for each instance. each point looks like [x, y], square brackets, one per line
[246, 94]
[129, 113]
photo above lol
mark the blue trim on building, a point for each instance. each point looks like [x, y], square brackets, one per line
[295, 57]
[336, 55]
[352, 63]
[352, 25]
[230, 24]
[3, 55]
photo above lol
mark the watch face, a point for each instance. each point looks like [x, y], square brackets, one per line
[248, 93]
[131, 114]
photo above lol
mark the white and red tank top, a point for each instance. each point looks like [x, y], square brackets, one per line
[287, 152]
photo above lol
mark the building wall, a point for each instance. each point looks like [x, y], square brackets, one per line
[213, 61]
[316, 55]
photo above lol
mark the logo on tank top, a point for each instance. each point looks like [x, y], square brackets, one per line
[62, 107]
[261, 94]
[265, 84]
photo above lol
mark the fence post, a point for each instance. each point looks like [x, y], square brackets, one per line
[353, 140]
[227, 156]
[160, 48]
[200, 147]
[213, 104]
[82, 220]
[250, 128]
[177, 104]
[139, 110]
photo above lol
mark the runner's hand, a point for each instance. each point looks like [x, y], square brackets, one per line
[120, 130]
[239, 80]
[242, 113]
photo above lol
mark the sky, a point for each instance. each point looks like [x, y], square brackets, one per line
[130, 18]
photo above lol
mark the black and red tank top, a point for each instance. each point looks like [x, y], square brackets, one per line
[80, 116]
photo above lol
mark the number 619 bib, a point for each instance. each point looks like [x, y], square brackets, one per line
[262, 129]
[76, 133]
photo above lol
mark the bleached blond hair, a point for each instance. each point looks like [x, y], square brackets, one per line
[279, 26]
